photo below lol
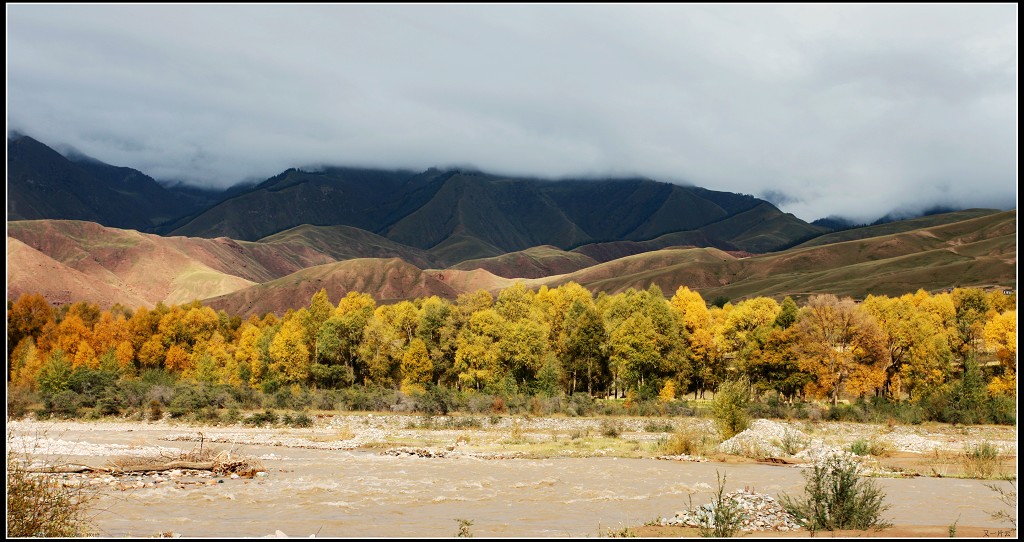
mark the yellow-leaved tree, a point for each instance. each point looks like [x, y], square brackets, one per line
[289, 356]
[417, 369]
[1001, 338]
[839, 344]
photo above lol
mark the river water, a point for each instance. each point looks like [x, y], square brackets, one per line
[337, 493]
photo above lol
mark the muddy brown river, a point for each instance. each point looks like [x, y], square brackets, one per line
[361, 493]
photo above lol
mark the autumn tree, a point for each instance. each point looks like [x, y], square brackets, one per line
[417, 369]
[248, 356]
[970, 305]
[26, 362]
[1001, 338]
[515, 303]
[380, 351]
[27, 317]
[839, 344]
[522, 349]
[633, 350]
[289, 356]
[477, 353]
[437, 328]
[706, 358]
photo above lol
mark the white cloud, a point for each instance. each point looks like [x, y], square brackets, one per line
[847, 109]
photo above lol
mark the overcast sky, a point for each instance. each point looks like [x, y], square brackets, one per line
[850, 110]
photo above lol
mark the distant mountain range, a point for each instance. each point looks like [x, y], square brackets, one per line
[79, 229]
[42, 183]
[454, 215]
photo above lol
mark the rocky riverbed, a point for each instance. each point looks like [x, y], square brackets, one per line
[530, 449]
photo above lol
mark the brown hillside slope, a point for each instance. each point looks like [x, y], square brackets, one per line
[536, 262]
[387, 280]
[31, 271]
[345, 243]
[975, 252]
[149, 267]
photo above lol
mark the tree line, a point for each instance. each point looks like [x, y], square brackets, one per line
[637, 343]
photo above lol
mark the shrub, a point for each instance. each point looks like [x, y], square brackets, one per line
[656, 426]
[1002, 410]
[726, 516]
[41, 506]
[436, 401]
[611, 429]
[791, 443]
[65, 404]
[458, 422]
[188, 399]
[729, 408]
[156, 410]
[19, 399]
[1009, 498]
[580, 404]
[300, 419]
[685, 441]
[980, 460]
[261, 418]
[836, 497]
[864, 447]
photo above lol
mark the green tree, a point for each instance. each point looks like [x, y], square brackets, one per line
[55, 374]
[582, 348]
[730, 407]
[633, 351]
[381, 352]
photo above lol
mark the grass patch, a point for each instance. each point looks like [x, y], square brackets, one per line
[686, 441]
[981, 460]
[612, 428]
[873, 447]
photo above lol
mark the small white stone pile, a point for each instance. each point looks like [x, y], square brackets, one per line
[763, 438]
[761, 513]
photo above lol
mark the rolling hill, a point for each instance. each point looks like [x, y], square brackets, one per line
[978, 251]
[536, 262]
[71, 260]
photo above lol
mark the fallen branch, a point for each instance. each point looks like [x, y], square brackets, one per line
[60, 469]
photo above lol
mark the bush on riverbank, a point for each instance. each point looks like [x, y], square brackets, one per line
[836, 497]
[38, 505]
[156, 393]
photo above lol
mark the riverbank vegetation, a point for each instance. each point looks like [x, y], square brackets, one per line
[947, 357]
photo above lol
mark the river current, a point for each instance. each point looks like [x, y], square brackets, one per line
[336, 493]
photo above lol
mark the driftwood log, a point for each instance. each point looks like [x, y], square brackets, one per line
[145, 467]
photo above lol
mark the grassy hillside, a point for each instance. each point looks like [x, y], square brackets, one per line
[346, 243]
[897, 227]
[387, 280]
[531, 263]
[72, 260]
[975, 252]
